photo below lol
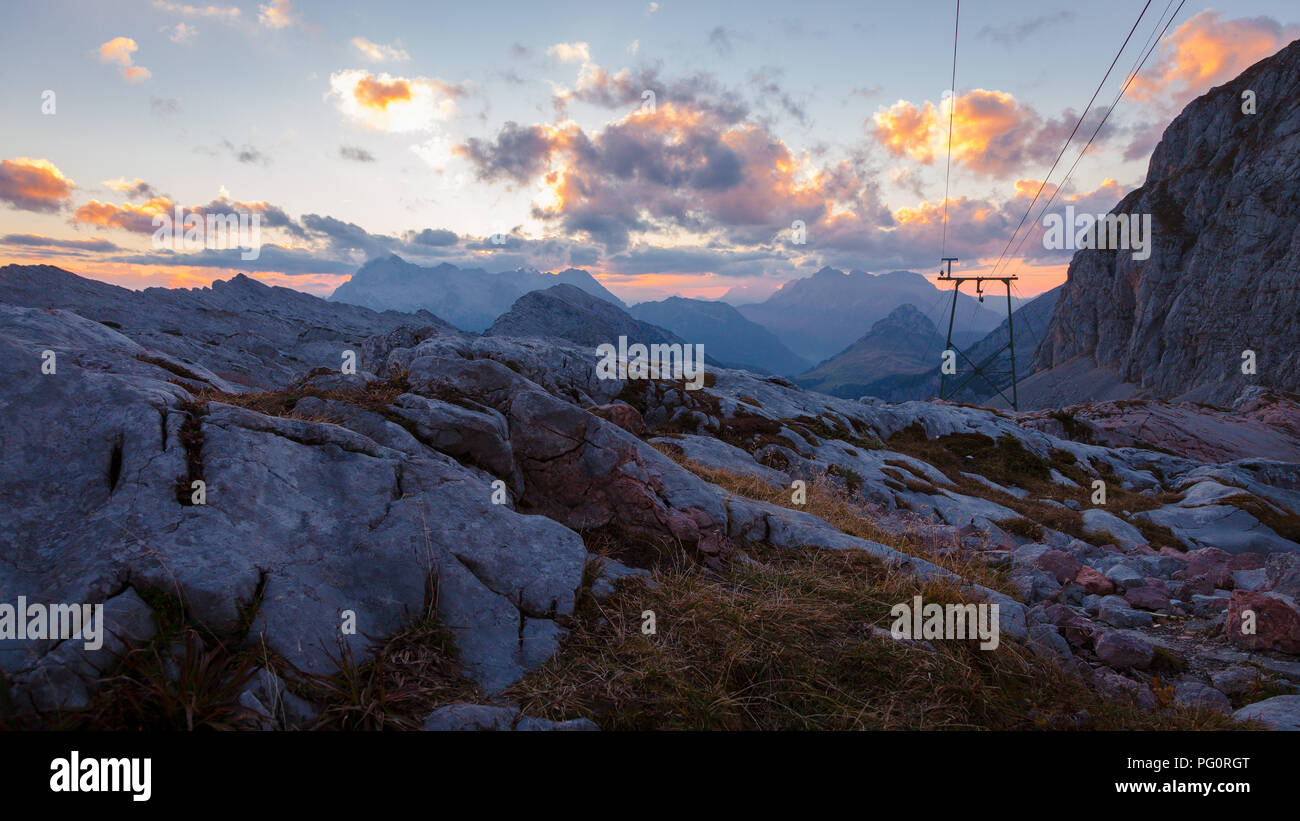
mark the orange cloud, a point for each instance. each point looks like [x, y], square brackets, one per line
[1207, 51]
[377, 94]
[33, 184]
[119, 51]
[137, 218]
[394, 104]
[276, 14]
[992, 132]
[906, 130]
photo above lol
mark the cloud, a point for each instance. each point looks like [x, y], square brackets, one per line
[676, 167]
[992, 132]
[139, 218]
[356, 154]
[37, 241]
[379, 53]
[272, 257]
[382, 102]
[438, 238]
[119, 51]
[246, 153]
[181, 33]
[1207, 51]
[34, 185]
[625, 88]
[227, 14]
[1014, 34]
[651, 8]
[132, 188]
[276, 14]
[906, 130]
[570, 52]
[377, 94]
[134, 218]
[517, 154]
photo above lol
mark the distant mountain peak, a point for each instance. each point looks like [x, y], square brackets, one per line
[906, 315]
[471, 299]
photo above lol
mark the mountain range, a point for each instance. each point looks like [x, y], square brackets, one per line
[819, 316]
[725, 334]
[469, 298]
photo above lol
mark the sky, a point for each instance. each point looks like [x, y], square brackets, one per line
[702, 149]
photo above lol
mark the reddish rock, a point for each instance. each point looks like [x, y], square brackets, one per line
[1094, 582]
[714, 544]
[1147, 598]
[1283, 573]
[1210, 565]
[1080, 632]
[1246, 561]
[1058, 614]
[1277, 621]
[1061, 565]
[625, 416]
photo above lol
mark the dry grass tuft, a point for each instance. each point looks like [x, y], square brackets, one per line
[786, 640]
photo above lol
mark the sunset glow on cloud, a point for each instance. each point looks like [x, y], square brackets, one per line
[119, 50]
[383, 102]
[1207, 51]
[33, 184]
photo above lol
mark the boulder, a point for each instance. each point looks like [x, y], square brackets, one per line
[1276, 713]
[1276, 621]
[1122, 649]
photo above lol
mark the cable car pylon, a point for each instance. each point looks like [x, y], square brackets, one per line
[980, 369]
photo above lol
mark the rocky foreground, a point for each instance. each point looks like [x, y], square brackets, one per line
[490, 496]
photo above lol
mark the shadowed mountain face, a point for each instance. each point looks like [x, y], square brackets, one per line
[725, 334]
[1223, 193]
[247, 332]
[882, 344]
[566, 312]
[821, 315]
[905, 343]
[470, 298]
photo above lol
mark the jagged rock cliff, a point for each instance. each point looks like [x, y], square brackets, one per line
[1223, 189]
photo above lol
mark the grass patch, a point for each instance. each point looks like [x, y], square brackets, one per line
[414, 672]
[785, 641]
